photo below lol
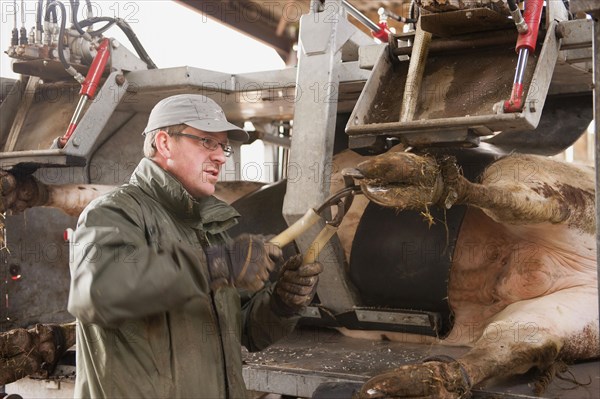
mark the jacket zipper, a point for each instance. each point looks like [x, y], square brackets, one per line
[202, 237]
[224, 360]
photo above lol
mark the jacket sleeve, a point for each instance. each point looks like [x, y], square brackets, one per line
[261, 325]
[116, 275]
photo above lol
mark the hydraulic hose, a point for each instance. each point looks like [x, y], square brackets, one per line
[74, 10]
[94, 20]
[15, 32]
[61, 48]
[517, 16]
[51, 12]
[38, 21]
[90, 9]
[141, 51]
[23, 31]
[413, 12]
[124, 26]
[63, 21]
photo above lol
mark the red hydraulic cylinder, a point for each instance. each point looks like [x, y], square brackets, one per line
[526, 44]
[88, 88]
[383, 33]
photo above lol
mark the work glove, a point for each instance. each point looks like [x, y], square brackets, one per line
[296, 286]
[244, 262]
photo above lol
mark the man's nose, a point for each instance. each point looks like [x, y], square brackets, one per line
[218, 155]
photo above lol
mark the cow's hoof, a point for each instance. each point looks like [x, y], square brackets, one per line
[428, 380]
[401, 180]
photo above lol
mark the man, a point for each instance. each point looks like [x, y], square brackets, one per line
[155, 278]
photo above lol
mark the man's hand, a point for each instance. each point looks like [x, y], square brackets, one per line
[296, 286]
[246, 262]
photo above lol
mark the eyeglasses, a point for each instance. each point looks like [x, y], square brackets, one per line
[208, 143]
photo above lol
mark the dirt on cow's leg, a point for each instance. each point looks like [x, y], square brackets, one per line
[401, 180]
[518, 189]
[453, 379]
[34, 351]
[435, 379]
[510, 358]
[18, 193]
[542, 190]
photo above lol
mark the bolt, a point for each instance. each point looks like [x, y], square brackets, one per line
[120, 79]
[532, 106]
[560, 32]
[76, 141]
[115, 43]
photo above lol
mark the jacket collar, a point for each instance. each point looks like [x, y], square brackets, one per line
[209, 213]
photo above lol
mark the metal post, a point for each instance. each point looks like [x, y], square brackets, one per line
[322, 35]
[596, 48]
[593, 7]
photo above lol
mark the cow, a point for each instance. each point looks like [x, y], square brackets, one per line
[539, 303]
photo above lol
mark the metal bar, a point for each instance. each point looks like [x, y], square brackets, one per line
[596, 47]
[483, 39]
[418, 59]
[592, 7]
[360, 16]
[319, 58]
[26, 102]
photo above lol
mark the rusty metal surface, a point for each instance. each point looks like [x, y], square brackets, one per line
[458, 93]
[309, 357]
[328, 353]
[585, 6]
[455, 85]
[506, 38]
[39, 255]
[464, 21]
[276, 22]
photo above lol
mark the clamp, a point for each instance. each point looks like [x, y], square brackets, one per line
[342, 200]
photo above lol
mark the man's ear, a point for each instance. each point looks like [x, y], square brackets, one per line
[162, 142]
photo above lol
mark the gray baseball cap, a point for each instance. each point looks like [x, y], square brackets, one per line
[194, 110]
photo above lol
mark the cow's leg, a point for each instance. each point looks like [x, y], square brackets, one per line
[523, 189]
[37, 350]
[518, 189]
[20, 193]
[526, 334]
[535, 332]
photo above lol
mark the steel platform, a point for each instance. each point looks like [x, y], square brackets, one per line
[297, 365]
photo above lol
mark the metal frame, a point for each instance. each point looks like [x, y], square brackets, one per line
[464, 129]
[593, 8]
[324, 35]
[260, 96]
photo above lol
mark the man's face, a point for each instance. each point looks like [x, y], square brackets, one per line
[195, 166]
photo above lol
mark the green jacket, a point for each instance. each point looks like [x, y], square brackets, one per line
[149, 326]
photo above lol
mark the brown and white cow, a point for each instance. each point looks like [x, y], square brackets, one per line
[539, 302]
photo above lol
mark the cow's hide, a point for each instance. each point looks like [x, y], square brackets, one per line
[523, 280]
